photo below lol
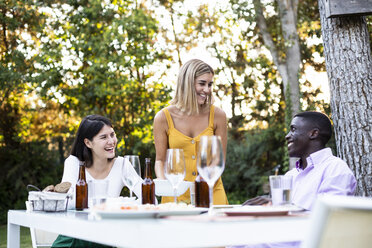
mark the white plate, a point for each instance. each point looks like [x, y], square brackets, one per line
[191, 211]
[261, 210]
[126, 214]
[165, 188]
[226, 206]
[132, 214]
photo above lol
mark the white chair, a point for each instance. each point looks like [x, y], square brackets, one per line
[340, 221]
[40, 238]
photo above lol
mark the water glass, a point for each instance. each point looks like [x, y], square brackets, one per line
[97, 192]
[280, 188]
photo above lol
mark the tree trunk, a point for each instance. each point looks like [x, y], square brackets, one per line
[289, 66]
[349, 67]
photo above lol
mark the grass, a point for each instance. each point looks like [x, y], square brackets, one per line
[25, 237]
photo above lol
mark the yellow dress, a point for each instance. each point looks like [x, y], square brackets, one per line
[176, 139]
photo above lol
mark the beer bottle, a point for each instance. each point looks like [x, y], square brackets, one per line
[81, 189]
[201, 193]
[148, 185]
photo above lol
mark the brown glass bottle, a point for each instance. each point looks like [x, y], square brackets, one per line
[148, 185]
[81, 189]
[201, 193]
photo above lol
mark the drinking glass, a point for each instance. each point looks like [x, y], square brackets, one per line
[129, 178]
[97, 192]
[280, 189]
[210, 162]
[175, 169]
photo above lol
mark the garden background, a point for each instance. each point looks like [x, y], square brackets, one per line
[64, 59]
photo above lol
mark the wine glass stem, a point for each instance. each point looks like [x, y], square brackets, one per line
[130, 193]
[210, 199]
[175, 195]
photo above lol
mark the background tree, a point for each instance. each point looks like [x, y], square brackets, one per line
[21, 162]
[349, 67]
[98, 58]
[285, 51]
[62, 60]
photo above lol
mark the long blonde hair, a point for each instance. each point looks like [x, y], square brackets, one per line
[185, 98]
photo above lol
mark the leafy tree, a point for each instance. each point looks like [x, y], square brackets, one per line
[62, 60]
[21, 162]
[98, 58]
[19, 24]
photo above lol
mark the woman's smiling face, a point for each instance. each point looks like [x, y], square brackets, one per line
[203, 87]
[103, 144]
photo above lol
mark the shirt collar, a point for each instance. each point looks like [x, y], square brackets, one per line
[315, 158]
[299, 164]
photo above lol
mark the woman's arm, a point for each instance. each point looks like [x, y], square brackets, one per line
[71, 174]
[220, 128]
[161, 143]
[71, 170]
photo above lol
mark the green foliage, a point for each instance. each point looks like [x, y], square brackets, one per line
[61, 60]
[31, 163]
[111, 47]
[251, 160]
[86, 58]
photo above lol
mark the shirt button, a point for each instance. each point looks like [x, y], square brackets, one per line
[192, 141]
[194, 173]
[193, 157]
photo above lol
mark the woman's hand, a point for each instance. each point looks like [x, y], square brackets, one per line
[159, 170]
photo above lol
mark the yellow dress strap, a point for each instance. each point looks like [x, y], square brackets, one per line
[211, 117]
[169, 118]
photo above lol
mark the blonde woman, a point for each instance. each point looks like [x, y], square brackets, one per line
[190, 116]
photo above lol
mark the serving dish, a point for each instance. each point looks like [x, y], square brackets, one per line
[165, 188]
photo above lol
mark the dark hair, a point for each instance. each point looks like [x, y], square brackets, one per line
[320, 121]
[89, 127]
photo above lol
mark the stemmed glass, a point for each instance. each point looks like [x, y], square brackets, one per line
[210, 162]
[175, 169]
[129, 178]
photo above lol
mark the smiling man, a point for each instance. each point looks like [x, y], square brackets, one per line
[317, 171]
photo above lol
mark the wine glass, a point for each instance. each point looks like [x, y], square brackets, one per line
[210, 162]
[175, 169]
[129, 178]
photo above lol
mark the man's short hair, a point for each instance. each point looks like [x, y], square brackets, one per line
[320, 121]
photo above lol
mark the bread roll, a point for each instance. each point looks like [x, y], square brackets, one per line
[62, 187]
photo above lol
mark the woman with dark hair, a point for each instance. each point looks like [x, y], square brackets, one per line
[95, 145]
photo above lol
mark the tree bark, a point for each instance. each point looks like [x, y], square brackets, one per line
[349, 67]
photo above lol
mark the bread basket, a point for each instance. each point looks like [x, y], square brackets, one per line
[47, 201]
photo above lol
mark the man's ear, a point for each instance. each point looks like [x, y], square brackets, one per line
[314, 133]
[88, 143]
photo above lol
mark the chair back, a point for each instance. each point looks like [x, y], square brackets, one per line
[340, 221]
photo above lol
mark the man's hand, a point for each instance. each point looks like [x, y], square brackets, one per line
[258, 200]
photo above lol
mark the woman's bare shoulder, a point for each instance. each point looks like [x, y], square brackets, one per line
[219, 113]
[160, 116]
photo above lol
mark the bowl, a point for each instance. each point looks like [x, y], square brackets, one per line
[165, 188]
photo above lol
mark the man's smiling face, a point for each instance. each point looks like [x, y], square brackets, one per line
[298, 138]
